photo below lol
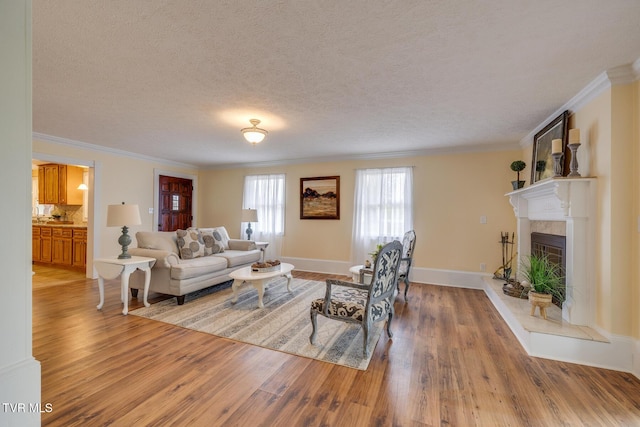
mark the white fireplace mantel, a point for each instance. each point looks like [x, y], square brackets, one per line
[572, 201]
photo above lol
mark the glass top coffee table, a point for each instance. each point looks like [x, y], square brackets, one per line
[258, 280]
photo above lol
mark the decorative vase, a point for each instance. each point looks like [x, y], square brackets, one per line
[517, 184]
[542, 301]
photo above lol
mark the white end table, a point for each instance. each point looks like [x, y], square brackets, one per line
[356, 270]
[262, 246]
[258, 280]
[110, 268]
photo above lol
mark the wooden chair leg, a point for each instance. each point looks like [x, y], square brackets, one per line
[365, 344]
[314, 326]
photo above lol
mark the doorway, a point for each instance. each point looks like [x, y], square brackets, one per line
[92, 199]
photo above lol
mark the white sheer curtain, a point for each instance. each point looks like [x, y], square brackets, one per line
[266, 194]
[383, 209]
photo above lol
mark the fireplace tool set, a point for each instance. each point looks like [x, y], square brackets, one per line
[511, 287]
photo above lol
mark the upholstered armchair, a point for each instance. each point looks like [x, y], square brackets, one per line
[360, 303]
[408, 245]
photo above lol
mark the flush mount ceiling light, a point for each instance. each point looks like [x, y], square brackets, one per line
[254, 135]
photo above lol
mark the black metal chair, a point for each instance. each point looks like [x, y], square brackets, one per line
[360, 303]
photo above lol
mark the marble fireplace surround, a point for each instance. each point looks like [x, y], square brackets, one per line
[549, 204]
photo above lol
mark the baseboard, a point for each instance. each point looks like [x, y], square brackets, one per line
[20, 394]
[636, 359]
[621, 353]
[458, 279]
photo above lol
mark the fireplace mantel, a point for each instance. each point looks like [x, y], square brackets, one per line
[572, 201]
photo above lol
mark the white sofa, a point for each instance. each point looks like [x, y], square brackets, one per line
[174, 275]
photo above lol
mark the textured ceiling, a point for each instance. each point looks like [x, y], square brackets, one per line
[177, 80]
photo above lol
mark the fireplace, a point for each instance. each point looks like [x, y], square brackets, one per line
[554, 247]
[567, 204]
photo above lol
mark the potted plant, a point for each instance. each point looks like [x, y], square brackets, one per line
[518, 166]
[545, 279]
[375, 253]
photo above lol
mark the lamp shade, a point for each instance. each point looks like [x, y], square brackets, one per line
[121, 215]
[249, 215]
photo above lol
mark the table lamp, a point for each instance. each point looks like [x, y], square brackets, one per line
[123, 216]
[249, 215]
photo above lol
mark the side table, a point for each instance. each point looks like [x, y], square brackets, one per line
[262, 246]
[360, 274]
[110, 268]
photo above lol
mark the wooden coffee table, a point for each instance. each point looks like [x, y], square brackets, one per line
[258, 280]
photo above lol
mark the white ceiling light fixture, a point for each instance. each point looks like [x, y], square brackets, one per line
[254, 135]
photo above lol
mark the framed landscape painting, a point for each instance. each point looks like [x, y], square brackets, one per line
[542, 164]
[320, 197]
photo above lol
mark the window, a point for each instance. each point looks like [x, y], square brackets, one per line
[383, 209]
[266, 194]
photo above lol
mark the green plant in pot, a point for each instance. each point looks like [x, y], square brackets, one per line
[545, 278]
[374, 254]
[518, 166]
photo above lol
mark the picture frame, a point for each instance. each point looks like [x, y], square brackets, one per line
[320, 197]
[541, 159]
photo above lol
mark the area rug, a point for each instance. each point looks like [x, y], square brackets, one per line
[283, 324]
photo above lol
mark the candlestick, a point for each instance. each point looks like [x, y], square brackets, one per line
[556, 146]
[574, 136]
[557, 164]
[573, 166]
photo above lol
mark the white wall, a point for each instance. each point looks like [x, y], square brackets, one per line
[19, 371]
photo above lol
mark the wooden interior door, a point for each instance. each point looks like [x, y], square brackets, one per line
[174, 211]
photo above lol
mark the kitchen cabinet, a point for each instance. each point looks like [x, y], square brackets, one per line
[62, 246]
[35, 244]
[58, 184]
[45, 244]
[79, 247]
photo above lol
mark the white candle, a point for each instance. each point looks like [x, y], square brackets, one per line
[556, 146]
[574, 136]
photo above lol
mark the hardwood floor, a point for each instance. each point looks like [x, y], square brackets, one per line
[452, 361]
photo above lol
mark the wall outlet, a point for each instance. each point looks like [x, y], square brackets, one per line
[151, 210]
[483, 267]
[483, 219]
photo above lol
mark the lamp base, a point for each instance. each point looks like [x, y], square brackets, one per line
[249, 231]
[124, 241]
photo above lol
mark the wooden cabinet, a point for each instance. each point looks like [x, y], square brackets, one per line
[79, 247]
[58, 184]
[45, 244]
[66, 246]
[62, 246]
[35, 244]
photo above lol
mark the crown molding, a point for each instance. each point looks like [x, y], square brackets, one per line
[623, 74]
[375, 156]
[107, 150]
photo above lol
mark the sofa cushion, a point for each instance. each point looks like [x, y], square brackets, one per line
[237, 258]
[212, 245]
[197, 267]
[190, 243]
[161, 240]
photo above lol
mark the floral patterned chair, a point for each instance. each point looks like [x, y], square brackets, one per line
[359, 303]
[408, 245]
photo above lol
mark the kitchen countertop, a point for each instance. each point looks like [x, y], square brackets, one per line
[44, 224]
